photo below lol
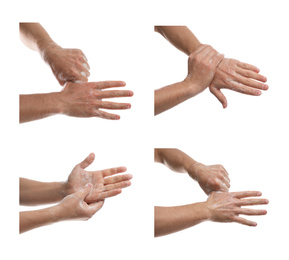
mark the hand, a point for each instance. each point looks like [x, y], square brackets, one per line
[210, 177]
[74, 207]
[202, 65]
[66, 64]
[226, 207]
[102, 187]
[85, 99]
[237, 76]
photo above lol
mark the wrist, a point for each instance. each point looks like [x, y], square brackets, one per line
[192, 87]
[193, 170]
[204, 211]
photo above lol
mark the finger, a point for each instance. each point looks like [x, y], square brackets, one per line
[114, 105]
[82, 193]
[105, 115]
[107, 84]
[251, 212]
[109, 194]
[116, 179]
[119, 185]
[86, 66]
[241, 88]
[247, 66]
[250, 74]
[87, 161]
[225, 181]
[250, 202]
[112, 171]
[251, 83]
[85, 73]
[116, 93]
[244, 194]
[244, 221]
[220, 96]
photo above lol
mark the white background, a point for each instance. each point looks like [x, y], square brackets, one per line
[249, 138]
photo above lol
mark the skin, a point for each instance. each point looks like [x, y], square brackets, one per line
[72, 207]
[202, 65]
[103, 183]
[222, 207]
[80, 197]
[76, 99]
[66, 64]
[209, 177]
[230, 74]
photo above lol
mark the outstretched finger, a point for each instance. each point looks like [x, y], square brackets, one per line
[114, 105]
[105, 115]
[244, 221]
[220, 96]
[115, 93]
[112, 171]
[116, 179]
[250, 202]
[251, 212]
[247, 66]
[250, 74]
[109, 194]
[87, 161]
[108, 84]
[252, 83]
[119, 185]
[244, 194]
[241, 88]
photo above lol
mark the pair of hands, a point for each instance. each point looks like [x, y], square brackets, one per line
[78, 97]
[85, 191]
[208, 68]
[222, 205]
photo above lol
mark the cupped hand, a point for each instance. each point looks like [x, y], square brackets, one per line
[227, 206]
[74, 206]
[86, 99]
[202, 65]
[66, 64]
[103, 186]
[210, 177]
[238, 76]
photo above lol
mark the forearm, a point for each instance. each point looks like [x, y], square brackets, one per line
[173, 219]
[172, 95]
[34, 36]
[35, 193]
[33, 219]
[37, 106]
[179, 36]
[175, 159]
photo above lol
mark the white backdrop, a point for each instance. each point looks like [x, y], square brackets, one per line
[250, 137]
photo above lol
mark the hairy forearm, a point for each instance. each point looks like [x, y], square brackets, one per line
[33, 219]
[35, 193]
[37, 106]
[174, 159]
[173, 219]
[172, 95]
[179, 36]
[34, 36]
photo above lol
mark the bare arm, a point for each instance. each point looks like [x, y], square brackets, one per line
[230, 74]
[179, 36]
[76, 99]
[66, 64]
[220, 207]
[35, 193]
[210, 177]
[202, 65]
[72, 207]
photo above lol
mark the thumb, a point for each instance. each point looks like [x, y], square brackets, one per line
[87, 161]
[219, 95]
[85, 191]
